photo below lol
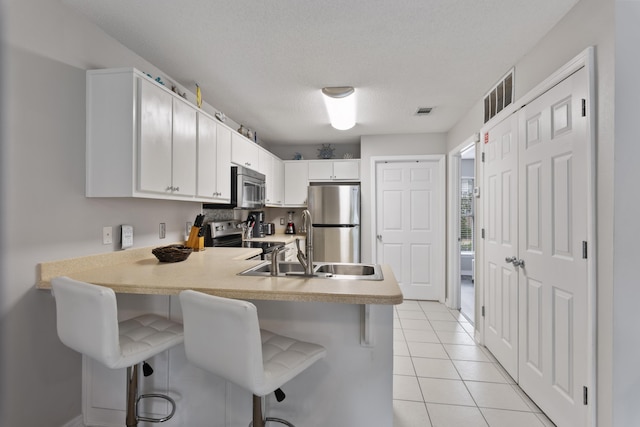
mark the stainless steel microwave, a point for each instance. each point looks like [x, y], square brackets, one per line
[247, 190]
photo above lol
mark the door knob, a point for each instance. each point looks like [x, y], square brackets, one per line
[519, 263]
[511, 259]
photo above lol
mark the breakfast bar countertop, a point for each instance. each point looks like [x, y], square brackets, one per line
[214, 271]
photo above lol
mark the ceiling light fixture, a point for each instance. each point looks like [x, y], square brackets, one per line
[341, 105]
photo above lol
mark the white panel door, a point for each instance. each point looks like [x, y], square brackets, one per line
[501, 243]
[410, 234]
[553, 210]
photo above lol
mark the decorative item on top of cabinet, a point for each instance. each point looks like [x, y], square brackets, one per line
[326, 152]
[198, 96]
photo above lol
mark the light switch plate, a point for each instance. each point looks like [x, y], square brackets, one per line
[126, 236]
[107, 236]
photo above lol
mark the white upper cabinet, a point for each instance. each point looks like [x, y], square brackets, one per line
[244, 152]
[214, 160]
[296, 181]
[273, 169]
[278, 182]
[155, 138]
[183, 149]
[142, 141]
[223, 162]
[334, 170]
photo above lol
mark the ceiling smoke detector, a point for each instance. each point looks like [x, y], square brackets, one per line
[423, 111]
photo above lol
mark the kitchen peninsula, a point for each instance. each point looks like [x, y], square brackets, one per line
[353, 319]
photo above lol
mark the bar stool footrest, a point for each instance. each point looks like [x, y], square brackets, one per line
[156, 396]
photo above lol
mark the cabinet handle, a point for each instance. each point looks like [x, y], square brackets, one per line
[169, 188]
[177, 188]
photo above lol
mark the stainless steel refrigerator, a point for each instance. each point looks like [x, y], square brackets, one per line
[335, 218]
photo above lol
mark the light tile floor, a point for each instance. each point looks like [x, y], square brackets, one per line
[441, 378]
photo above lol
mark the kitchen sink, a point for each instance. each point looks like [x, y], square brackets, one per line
[347, 269]
[321, 270]
[264, 269]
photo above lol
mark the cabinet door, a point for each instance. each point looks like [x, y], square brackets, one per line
[223, 163]
[296, 182]
[346, 170]
[266, 167]
[320, 170]
[184, 149]
[244, 152]
[207, 157]
[278, 181]
[154, 143]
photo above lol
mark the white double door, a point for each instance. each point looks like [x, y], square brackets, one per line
[535, 271]
[410, 224]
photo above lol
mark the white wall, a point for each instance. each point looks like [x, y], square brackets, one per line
[310, 151]
[45, 216]
[389, 145]
[589, 23]
[626, 228]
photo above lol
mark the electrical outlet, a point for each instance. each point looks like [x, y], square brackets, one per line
[163, 230]
[126, 236]
[282, 221]
[107, 235]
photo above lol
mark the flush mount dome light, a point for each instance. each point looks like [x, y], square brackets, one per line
[341, 105]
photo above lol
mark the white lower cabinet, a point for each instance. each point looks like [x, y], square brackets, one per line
[296, 181]
[291, 250]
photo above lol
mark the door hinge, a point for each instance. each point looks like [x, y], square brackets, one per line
[584, 108]
[585, 395]
[584, 249]
[482, 233]
[483, 311]
[483, 157]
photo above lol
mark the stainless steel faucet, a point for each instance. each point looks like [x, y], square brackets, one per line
[274, 261]
[306, 258]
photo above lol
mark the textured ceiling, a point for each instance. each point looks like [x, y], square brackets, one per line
[263, 62]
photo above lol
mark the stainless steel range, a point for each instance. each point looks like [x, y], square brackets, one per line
[229, 234]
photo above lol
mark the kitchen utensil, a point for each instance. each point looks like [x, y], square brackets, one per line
[269, 228]
[291, 228]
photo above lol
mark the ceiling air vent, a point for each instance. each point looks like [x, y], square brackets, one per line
[499, 97]
[423, 111]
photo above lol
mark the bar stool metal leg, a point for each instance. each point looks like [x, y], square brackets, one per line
[132, 393]
[258, 420]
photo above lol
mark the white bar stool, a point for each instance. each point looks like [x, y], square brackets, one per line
[223, 336]
[87, 322]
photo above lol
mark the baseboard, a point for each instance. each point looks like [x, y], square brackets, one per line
[76, 422]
